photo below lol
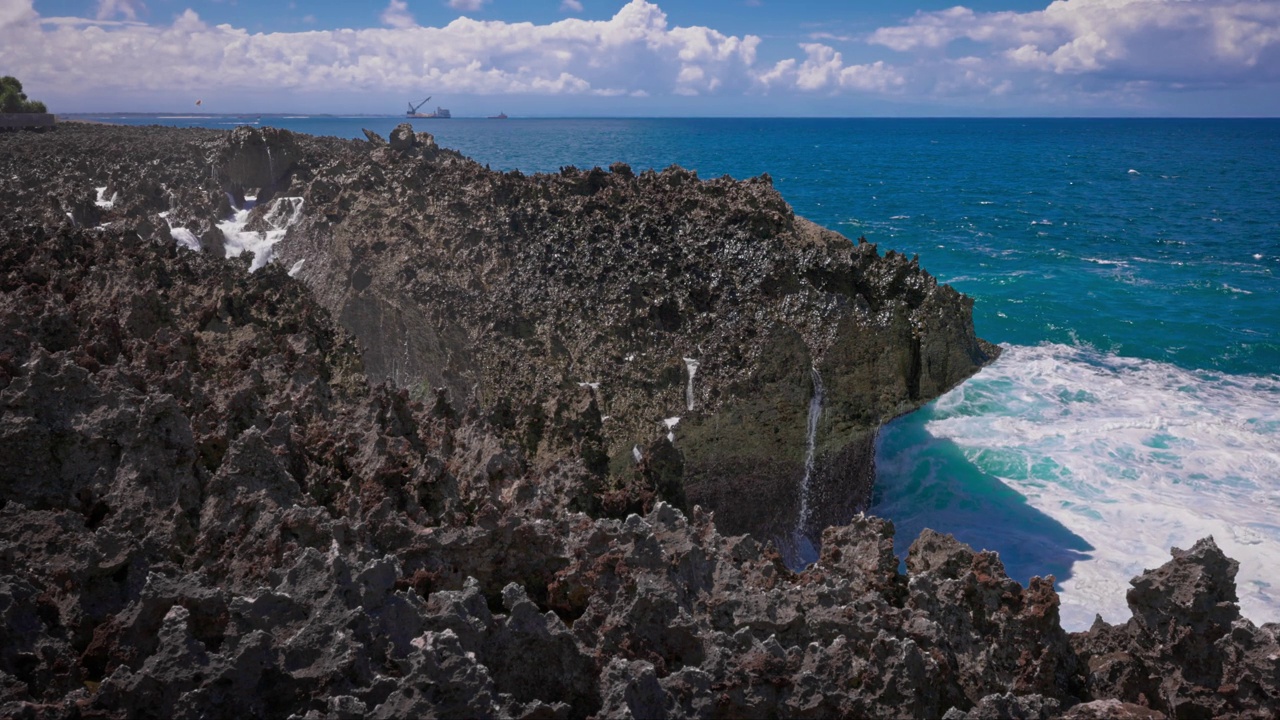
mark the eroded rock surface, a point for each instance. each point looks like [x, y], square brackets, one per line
[666, 295]
[207, 510]
[641, 298]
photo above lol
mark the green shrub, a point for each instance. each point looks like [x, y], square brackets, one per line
[13, 100]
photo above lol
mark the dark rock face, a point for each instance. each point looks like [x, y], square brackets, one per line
[666, 296]
[260, 160]
[510, 290]
[207, 510]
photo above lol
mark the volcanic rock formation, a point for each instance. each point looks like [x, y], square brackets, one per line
[538, 299]
[207, 509]
[518, 293]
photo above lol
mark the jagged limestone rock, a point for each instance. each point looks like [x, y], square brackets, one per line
[207, 510]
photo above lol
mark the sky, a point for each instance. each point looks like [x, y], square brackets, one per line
[770, 58]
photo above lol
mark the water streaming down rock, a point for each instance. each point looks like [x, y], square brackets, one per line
[692, 366]
[805, 550]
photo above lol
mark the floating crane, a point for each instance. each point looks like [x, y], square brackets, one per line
[440, 112]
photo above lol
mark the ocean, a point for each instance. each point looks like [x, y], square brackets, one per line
[1127, 267]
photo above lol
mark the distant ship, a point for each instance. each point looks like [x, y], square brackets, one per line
[499, 116]
[439, 114]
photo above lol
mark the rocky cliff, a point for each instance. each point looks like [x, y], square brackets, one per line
[697, 319]
[700, 314]
[208, 510]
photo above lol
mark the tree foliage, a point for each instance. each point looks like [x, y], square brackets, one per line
[13, 100]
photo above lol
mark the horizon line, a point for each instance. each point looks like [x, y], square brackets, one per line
[301, 115]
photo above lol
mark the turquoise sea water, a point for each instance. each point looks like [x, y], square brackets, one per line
[1129, 267]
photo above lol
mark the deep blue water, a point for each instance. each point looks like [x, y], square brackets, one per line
[1128, 266]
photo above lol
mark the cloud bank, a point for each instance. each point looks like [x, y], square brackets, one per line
[1091, 51]
[635, 51]
[1174, 43]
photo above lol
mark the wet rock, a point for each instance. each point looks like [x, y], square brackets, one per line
[1111, 710]
[404, 140]
[261, 159]
[214, 242]
[1008, 707]
[1186, 652]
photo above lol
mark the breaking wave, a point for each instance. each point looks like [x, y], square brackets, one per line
[1091, 466]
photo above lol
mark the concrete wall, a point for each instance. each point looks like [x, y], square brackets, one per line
[18, 121]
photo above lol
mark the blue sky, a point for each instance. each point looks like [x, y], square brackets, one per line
[651, 57]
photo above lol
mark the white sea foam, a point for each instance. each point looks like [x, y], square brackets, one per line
[103, 201]
[671, 424]
[282, 214]
[1129, 456]
[1134, 172]
[185, 238]
[297, 268]
[182, 237]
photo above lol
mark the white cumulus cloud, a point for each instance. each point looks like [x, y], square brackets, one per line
[128, 9]
[1162, 41]
[824, 70]
[397, 15]
[15, 12]
[636, 51]
[1072, 51]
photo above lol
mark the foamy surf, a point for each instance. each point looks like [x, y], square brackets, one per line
[104, 202]
[282, 214]
[1092, 466]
